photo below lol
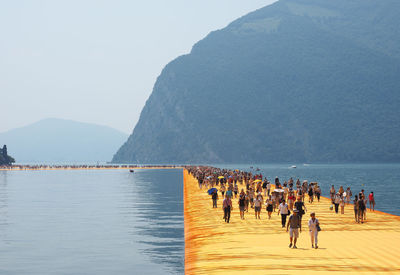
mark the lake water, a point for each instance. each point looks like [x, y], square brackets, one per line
[382, 179]
[91, 222]
[116, 222]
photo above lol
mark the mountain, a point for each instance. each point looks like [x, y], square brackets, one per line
[299, 80]
[57, 140]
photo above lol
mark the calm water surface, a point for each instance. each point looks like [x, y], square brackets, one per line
[91, 222]
[382, 179]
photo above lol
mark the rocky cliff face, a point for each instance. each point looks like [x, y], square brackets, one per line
[304, 80]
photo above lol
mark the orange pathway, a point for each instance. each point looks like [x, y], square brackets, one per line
[261, 246]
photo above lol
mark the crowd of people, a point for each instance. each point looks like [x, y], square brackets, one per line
[253, 191]
[341, 198]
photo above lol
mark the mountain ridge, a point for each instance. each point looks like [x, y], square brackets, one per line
[62, 140]
[278, 86]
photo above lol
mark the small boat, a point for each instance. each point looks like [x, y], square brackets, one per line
[132, 171]
[293, 166]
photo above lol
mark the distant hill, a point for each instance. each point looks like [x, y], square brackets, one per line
[299, 80]
[59, 140]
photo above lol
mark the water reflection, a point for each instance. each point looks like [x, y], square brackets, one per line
[3, 204]
[157, 200]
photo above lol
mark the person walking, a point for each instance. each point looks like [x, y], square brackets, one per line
[356, 209]
[336, 201]
[295, 224]
[227, 206]
[364, 198]
[342, 204]
[268, 187]
[313, 226]
[251, 197]
[229, 193]
[214, 197]
[257, 205]
[361, 208]
[283, 209]
[300, 193]
[273, 199]
[310, 194]
[269, 203]
[285, 191]
[242, 204]
[348, 195]
[371, 199]
[341, 191]
[318, 192]
[235, 190]
[291, 199]
[264, 186]
[332, 193]
[301, 207]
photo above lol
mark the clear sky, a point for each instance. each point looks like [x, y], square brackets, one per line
[96, 61]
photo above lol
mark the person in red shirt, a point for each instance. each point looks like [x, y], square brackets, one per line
[371, 201]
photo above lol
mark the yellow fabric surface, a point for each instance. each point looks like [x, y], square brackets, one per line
[253, 246]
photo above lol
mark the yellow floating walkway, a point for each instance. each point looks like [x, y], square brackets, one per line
[253, 246]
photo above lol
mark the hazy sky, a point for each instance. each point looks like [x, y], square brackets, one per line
[96, 61]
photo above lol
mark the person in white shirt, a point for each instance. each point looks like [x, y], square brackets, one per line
[342, 204]
[283, 209]
[313, 225]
